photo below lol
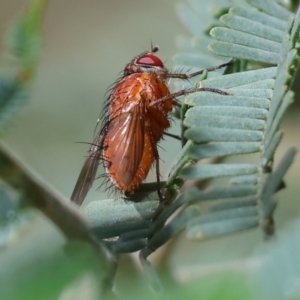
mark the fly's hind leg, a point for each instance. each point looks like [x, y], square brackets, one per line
[156, 158]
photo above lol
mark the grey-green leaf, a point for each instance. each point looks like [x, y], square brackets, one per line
[210, 171]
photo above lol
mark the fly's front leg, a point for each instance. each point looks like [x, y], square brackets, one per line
[188, 76]
[188, 91]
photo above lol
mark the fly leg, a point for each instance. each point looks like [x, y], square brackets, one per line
[156, 158]
[190, 90]
[174, 136]
[186, 92]
[188, 76]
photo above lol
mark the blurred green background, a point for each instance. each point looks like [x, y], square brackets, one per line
[86, 46]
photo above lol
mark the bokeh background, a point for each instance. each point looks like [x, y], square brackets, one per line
[86, 46]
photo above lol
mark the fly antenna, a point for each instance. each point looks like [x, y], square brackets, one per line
[154, 48]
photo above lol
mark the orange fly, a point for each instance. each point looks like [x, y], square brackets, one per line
[136, 119]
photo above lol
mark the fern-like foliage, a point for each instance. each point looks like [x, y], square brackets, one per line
[245, 121]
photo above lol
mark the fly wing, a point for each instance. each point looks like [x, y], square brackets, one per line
[88, 172]
[126, 136]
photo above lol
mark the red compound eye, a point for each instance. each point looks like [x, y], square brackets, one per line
[150, 60]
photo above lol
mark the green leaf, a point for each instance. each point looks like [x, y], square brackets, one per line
[211, 99]
[210, 171]
[245, 179]
[274, 181]
[111, 217]
[242, 79]
[261, 17]
[252, 41]
[193, 119]
[173, 228]
[252, 34]
[219, 193]
[234, 203]
[272, 8]
[271, 147]
[243, 52]
[150, 273]
[198, 152]
[190, 19]
[251, 26]
[206, 230]
[210, 134]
